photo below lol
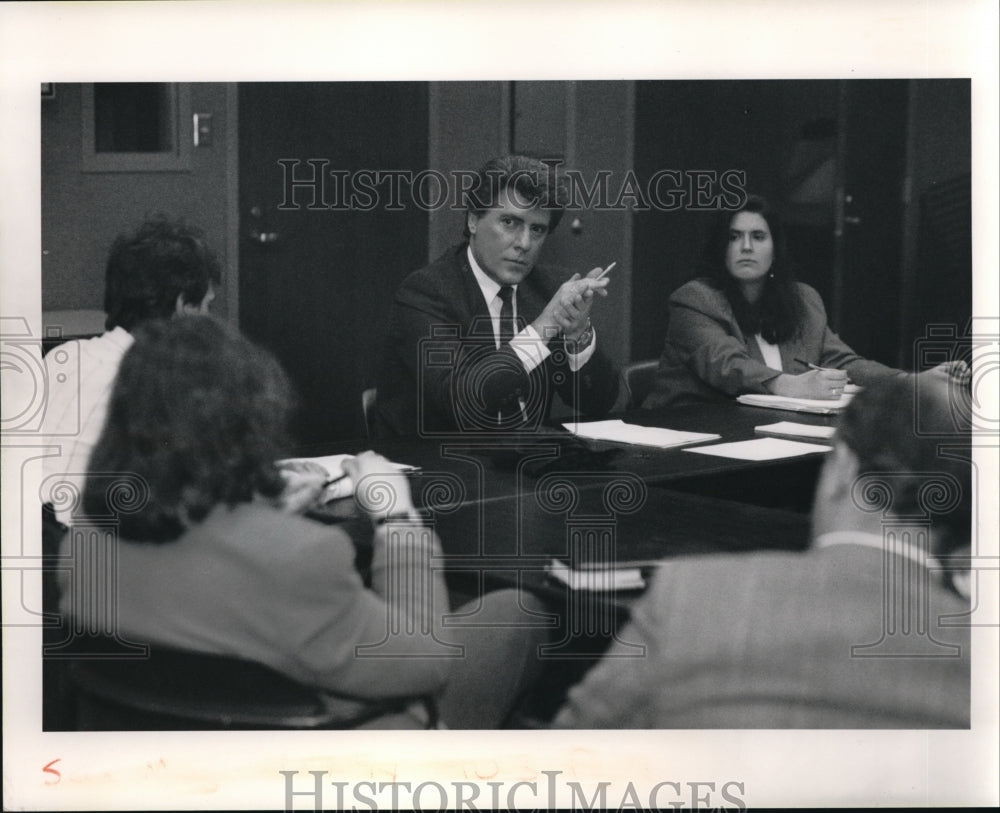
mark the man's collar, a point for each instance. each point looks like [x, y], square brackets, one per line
[490, 287]
[869, 540]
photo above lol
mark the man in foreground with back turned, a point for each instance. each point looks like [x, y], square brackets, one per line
[864, 630]
[482, 338]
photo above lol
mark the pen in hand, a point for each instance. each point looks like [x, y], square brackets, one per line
[332, 480]
[812, 366]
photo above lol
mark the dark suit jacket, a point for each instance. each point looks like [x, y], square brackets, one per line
[706, 357]
[764, 640]
[441, 371]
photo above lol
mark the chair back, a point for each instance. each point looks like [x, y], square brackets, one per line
[174, 689]
[637, 379]
[368, 409]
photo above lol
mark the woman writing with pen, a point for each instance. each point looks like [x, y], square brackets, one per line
[746, 325]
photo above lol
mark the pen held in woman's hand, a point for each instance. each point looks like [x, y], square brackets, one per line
[816, 367]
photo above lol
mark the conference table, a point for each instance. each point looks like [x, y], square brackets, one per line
[514, 510]
[506, 506]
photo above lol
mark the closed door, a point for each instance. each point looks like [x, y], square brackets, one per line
[318, 267]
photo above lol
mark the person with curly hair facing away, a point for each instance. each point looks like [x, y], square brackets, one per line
[163, 269]
[211, 559]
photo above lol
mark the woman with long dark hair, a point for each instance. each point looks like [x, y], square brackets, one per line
[745, 325]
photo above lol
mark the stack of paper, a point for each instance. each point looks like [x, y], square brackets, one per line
[798, 404]
[334, 466]
[621, 432]
[789, 429]
[597, 579]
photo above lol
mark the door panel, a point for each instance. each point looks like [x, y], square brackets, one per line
[317, 276]
[865, 307]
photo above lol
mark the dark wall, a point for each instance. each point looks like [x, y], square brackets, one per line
[899, 148]
[689, 126]
[82, 212]
[938, 239]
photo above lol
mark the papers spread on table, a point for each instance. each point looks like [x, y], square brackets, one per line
[789, 429]
[333, 464]
[761, 449]
[602, 579]
[797, 404]
[621, 432]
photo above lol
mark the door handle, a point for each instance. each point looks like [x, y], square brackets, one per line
[264, 238]
[259, 233]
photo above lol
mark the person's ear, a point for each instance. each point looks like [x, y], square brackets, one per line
[471, 221]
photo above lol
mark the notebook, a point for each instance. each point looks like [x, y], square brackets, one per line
[798, 404]
[620, 432]
[795, 431]
[333, 464]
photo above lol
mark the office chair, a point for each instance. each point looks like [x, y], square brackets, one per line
[174, 689]
[94, 682]
[637, 378]
[368, 408]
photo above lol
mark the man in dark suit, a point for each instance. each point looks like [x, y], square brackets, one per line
[483, 338]
[864, 630]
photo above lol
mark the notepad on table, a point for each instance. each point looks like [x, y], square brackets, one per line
[789, 429]
[334, 466]
[761, 449]
[601, 579]
[620, 432]
[814, 405]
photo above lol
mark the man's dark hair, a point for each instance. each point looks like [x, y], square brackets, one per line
[198, 414]
[149, 269]
[779, 313]
[538, 182]
[905, 426]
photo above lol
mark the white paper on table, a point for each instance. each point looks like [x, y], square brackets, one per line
[334, 466]
[598, 579]
[761, 449]
[815, 405]
[804, 430]
[621, 432]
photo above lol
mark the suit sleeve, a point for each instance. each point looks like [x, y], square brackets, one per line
[703, 333]
[622, 690]
[455, 368]
[592, 389]
[835, 352]
[368, 643]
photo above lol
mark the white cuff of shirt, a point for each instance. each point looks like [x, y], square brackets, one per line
[529, 348]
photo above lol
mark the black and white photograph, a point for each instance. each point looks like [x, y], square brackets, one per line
[454, 417]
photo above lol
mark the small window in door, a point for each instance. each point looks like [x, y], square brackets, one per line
[136, 127]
